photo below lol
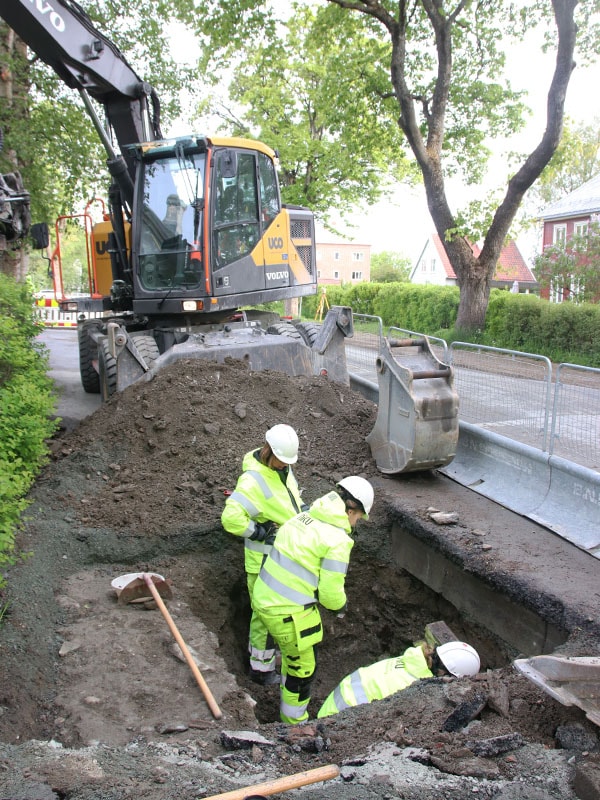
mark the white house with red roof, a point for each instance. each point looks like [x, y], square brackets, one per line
[512, 273]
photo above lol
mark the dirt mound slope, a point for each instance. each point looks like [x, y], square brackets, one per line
[94, 700]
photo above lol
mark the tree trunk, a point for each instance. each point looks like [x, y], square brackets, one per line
[14, 259]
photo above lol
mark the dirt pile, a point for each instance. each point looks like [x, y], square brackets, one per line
[95, 703]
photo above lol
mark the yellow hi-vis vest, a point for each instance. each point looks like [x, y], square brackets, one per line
[261, 494]
[308, 561]
[377, 681]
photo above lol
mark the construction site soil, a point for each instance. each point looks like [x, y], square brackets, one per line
[96, 702]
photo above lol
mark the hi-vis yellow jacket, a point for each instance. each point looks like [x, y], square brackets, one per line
[377, 681]
[261, 494]
[308, 562]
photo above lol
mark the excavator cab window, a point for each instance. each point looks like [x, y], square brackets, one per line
[170, 243]
[269, 193]
[236, 214]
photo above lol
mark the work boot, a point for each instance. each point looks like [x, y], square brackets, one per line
[270, 678]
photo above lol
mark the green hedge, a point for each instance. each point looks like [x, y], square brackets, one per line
[560, 331]
[26, 403]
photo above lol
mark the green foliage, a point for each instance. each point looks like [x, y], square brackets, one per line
[26, 402]
[311, 94]
[576, 160]
[513, 319]
[419, 308]
[388, 267]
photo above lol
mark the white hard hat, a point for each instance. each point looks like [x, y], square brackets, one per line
[459, 658]
[283, 441]
[361, 490]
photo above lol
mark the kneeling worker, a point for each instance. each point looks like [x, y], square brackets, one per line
[394, 674]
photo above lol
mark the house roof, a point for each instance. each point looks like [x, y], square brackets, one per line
[511, 265]
[582, 201]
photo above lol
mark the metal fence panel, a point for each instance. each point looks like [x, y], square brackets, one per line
[575, 432]
[504, 391]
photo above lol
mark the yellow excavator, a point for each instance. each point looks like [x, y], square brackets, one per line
[196, 236]
[196, 230]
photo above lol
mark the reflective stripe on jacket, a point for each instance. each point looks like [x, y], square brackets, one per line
[261, 494]
[377, 681]
[308, 561]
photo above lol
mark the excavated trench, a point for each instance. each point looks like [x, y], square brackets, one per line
[387, 612]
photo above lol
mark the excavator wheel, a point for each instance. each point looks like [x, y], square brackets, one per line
[309, 331]
[147, 348]
[88, 353]
[107, 367]
[285, 329]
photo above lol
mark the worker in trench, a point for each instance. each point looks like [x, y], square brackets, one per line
[266, 495]
[391, 675]
[307, 566]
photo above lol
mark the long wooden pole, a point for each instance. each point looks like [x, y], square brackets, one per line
[212, 703]
[281, 784]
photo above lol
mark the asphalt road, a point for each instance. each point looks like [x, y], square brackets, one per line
[73, 403]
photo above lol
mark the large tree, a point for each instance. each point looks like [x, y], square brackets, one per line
[445, 63]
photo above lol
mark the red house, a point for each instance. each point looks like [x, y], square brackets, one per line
[570, 215]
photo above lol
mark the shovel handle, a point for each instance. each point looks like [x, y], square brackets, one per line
[212, 703]
[281, 784]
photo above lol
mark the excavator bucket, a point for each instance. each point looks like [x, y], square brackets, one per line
[417, 417]
[571, 681]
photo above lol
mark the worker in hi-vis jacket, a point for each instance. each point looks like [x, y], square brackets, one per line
[307, 565]
[265, 496]
[391, 675]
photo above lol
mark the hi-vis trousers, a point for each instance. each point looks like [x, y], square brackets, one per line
[297, 636]
[260, 642]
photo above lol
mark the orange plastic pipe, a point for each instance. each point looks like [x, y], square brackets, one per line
[281, 784]
[212, 703]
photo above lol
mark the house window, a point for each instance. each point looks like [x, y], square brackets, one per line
[358, 256]
[433, 264]
[336, 255]
[580, 228]
[357, 276]
[336, 274]
[318, 273]
[423, 266]
[559, 234]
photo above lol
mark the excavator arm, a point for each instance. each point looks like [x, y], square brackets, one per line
[62, 35]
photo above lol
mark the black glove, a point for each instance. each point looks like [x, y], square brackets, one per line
[264, 532]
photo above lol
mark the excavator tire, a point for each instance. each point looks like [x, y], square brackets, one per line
[147, 348]
[284, 329]
[107, 367]
[88, 353]
[309, 331]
